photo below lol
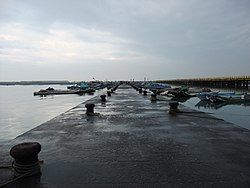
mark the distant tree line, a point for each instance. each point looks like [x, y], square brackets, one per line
[61, 82]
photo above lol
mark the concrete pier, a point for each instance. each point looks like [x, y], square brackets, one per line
[133, 142]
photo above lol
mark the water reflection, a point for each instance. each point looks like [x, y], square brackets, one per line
[20, 111]
[212, 105]
[234, 112]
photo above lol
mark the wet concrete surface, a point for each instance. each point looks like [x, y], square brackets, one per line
[133, 142]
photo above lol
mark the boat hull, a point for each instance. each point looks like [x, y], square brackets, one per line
[56, 92]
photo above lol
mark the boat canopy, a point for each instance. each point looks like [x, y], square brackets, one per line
[83, 85]
[153, 86]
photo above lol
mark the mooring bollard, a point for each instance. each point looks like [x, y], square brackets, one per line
[140, 90]
[145, 92]
[26, 158]
[103, 98]
[154, 91]
[112, 90]
[90, 108]
[153, 97]
[109, 93]
[173, 107]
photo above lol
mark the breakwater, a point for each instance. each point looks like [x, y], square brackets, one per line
[234, 82]
[130, 141]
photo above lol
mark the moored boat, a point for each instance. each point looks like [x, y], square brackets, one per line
[224, 97]
[208, 95]
[44, 92]
[79, 86]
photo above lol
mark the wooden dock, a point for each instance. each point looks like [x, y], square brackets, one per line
[233, 82]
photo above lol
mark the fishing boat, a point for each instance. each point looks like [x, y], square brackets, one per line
[217, 97]
[157, 86]
[217, 105]
[52, 91]
[208, 95]
[230, 98]
[198, 90]
[89, 90]
[180, 92]
[79, 86]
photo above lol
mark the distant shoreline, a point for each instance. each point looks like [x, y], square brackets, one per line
[37, 83]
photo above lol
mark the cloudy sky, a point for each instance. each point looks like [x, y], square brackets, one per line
[123, 39]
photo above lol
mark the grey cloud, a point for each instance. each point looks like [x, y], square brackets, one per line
[166, 38]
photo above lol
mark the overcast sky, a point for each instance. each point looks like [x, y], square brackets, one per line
[123, 39]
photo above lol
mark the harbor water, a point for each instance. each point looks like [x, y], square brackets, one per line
[20, 111]
[238, 114]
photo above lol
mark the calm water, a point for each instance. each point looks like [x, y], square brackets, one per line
[20, 111]
[238, 114]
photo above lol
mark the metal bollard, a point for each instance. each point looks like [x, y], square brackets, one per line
[109, 93]
[140, 90]
[26, 158]
[103, 98]
[154, 91]
[90, 108]
[112, 90]
[173, 107]
[145, 92]
[153, 97]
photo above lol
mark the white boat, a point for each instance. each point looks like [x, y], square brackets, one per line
[208, 95]
[228, 97]
[235, 97]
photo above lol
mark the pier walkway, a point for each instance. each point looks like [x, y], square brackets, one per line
[133, 142]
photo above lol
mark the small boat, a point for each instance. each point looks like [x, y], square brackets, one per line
[220, 103]
[246, 96]
[235, 97]
[178, 93]
[89, 90]
[79, 86]
[208, 95]
[182, 92]
[227, 97]
[217, 99]
[226, 94]
[198, 90]
[154, 86]
[52, 91]
[157, 86]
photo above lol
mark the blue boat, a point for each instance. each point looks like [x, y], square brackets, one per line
[156, 86]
